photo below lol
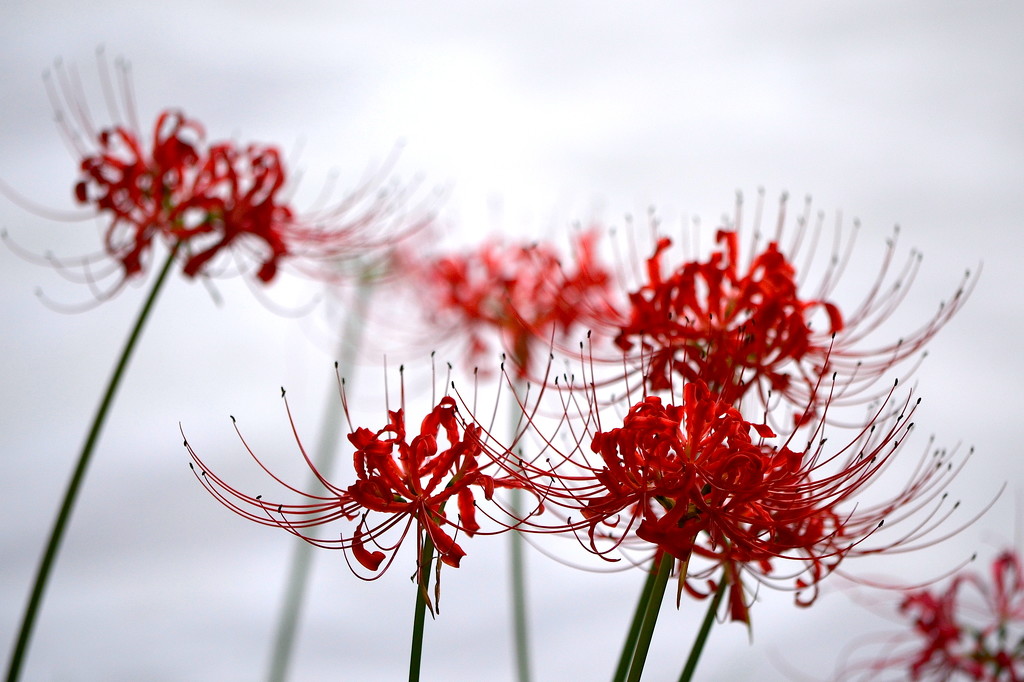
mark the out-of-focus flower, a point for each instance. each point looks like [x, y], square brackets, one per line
[524, 295]
[701, 482]
[400, 484]
[185, 192]
[758, 326]
[972, 629]
[204, 199]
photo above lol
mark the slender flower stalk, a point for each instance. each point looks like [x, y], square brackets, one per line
[67, 506]
[629, 646]
[517, 573]
[426, 557]
[650, 618]
[302, 556]
[702, 634]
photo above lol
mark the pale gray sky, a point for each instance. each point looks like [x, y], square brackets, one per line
[533, 116]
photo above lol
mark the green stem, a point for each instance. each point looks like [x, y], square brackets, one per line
[77, 477]
[643, 642]
[422, 586]
[702, 634]
[302, 556]
[634, 628]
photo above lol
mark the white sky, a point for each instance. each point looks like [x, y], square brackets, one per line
[532, 115]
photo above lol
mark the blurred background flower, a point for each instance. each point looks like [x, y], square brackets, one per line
[968, 627]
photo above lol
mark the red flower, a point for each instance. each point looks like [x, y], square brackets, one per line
[935, 623]
[398, 483]
[521, 293]
[700, 482]
[741, 328]
[208, 199]
[982, 639]
[707, 321]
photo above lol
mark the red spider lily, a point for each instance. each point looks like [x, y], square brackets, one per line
[205, 199]
[974, 629]
[740, 327]
[398, 483]
[185, 193]
[706, 321]
[521, 293]
[700, 482]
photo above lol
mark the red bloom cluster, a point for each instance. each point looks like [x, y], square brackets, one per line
[205, 199]
[398, 483]
[186, 193]
[740, 328]
[523, 293]
[678, 484]
[689, 473]
[708, 321]
[698, 480]
[711, 484]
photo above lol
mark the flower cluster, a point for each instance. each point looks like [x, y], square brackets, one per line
[731, 495]
[185, 192]
[731, 500]
[735, 492]
[690, 473]
[757, 326]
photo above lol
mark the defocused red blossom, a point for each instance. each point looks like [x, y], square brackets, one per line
[206, 199]
[972, 629]
[523, 295]
[185, 191]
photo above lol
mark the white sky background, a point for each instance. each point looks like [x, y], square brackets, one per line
[533, 115]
